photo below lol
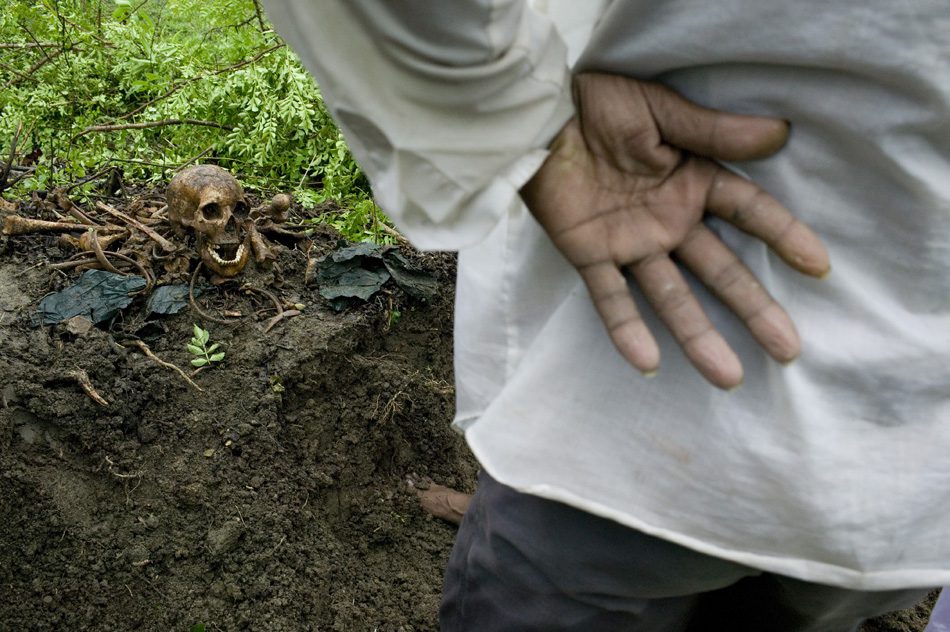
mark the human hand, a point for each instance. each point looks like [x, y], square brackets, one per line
[625, 188]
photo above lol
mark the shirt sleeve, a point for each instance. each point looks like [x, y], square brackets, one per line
[447, 106]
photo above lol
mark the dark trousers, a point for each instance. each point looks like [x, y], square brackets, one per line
[524, 563]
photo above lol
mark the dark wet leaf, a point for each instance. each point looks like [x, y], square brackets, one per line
[351, 272]
[98, 295]
[359, 271]
[417, 284]
[350, 280]
[168, 299]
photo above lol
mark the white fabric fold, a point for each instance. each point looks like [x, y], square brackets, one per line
[833, 469]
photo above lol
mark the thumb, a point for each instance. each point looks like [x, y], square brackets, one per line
[711, 133]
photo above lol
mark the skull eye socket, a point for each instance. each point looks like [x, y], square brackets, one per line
[211, 211]
[241, 209]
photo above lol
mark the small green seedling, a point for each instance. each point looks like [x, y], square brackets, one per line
[198, 346]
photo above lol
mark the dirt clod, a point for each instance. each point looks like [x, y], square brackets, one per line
[224, 539]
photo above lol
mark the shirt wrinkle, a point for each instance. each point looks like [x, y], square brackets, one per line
[813, 470]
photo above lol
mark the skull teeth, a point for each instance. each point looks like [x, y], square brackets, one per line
[217, 258]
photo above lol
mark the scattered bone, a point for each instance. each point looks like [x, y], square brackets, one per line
[279, 233]
[280, 208]
[311, 266]
[281, 312]
[166, 245]
[82, 378]
[85, 241]
[205, 201]
[277, 211]
[72, 263]
[16, 225]
[261, 252]
[277, 304]
[82, 217]
[168, 365]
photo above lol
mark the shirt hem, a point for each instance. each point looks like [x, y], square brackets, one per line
[798, 568]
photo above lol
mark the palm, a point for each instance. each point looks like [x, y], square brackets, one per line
[616, 194]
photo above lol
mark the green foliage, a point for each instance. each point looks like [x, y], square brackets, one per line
[394, 316]
[117, 62]
[362, 220]
[198, 346]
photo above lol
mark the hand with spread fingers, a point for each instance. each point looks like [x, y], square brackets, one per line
[625, 188]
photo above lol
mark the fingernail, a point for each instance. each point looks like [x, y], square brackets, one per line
[825, 274]
[649, 374]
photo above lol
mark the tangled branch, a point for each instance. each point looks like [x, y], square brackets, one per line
[178, 86]
[115, 128]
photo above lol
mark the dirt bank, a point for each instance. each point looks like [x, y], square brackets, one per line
[274, 499]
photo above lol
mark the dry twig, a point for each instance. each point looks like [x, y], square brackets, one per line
[6, 45]
[6, 167]
[168, 365]
[32, 69]
[175, 88]
[83, 181]
[194, 304]
[116, 128]
[284, 314]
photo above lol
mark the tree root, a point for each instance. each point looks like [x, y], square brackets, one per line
[168, 365]
[82, 378]
[194, 304]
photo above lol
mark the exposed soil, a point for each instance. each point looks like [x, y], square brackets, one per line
[274, 499]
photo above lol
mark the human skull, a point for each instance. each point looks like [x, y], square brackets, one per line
[209, 201]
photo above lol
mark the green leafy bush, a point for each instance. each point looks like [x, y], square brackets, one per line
[190, 81]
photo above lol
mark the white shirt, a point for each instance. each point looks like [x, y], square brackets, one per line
[835, 469]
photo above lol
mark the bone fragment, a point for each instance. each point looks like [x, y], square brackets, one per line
[166, 245]
[194, 304]
[279, 208]
[16, 225]
[274, 231]
[85, 240]
[82, 217]
[261, 252]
